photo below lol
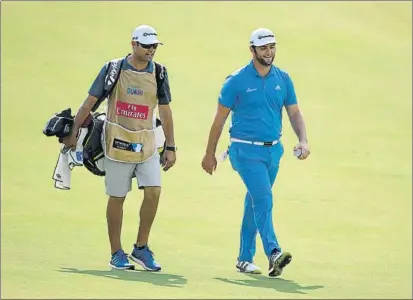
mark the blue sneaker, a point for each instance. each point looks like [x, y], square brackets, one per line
[120, 261]
[144, 257]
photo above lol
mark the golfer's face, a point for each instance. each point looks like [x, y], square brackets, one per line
[145, 52]
[265, 54]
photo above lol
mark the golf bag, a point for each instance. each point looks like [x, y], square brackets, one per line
[60, 124]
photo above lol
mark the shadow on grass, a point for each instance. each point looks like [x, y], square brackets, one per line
[278, 284]
[155, 278]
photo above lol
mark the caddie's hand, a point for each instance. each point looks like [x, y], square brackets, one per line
[70, 141]
[305, 150]
[168, 159]
[209, 163]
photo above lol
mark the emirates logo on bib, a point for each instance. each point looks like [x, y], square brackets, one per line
[133, 111]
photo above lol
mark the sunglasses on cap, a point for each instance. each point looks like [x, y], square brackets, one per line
[148, 46]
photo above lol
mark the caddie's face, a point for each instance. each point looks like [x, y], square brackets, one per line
[144, 52]
[264, 54]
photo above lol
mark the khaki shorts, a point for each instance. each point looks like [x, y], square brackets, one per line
[118, 179]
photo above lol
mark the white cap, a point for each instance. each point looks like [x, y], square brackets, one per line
[261, 37]
[145, 34]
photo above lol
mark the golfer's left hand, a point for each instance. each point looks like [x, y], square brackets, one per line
[305, 150]
[209, 163]
[168, 159]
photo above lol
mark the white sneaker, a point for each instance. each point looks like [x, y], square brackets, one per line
[247, 267]
[278, 261]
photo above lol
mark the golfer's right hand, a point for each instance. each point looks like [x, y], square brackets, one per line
[209, 163]
[70, 141]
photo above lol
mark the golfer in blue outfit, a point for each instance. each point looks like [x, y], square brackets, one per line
[256, 95]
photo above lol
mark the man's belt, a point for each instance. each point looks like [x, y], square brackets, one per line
[266, 144]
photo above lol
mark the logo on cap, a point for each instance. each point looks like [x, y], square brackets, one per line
[265, 36]
[149, 33]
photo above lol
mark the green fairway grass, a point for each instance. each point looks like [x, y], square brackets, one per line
[345, 214]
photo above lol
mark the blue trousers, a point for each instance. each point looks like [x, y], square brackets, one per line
[258, 168]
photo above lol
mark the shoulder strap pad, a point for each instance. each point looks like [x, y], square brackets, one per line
[160, 73]
[111, 78]
[112, 74]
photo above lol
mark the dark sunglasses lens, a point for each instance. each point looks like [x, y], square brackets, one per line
[149, 46]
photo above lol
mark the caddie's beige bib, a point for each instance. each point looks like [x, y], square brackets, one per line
[130, 122]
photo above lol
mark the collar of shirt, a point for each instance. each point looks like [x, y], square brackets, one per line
[255, 72]
[148, 69]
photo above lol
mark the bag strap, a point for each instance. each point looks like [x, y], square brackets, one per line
[111, 78]
[159, 74]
